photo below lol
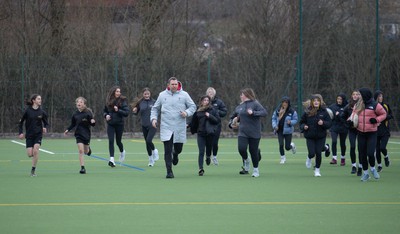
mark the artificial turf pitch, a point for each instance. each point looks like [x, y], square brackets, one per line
[134, 198]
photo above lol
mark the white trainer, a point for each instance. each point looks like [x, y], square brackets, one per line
[247, 164]
[155, 155]
[308, 162]
[151, 161]
[214, 160]
[317, 172]
[255, 173]
[283, 160]
[122, 156]
[293, 147]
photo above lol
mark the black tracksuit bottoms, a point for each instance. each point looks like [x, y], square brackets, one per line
[252, 143]
[314, 147]
[366, 148]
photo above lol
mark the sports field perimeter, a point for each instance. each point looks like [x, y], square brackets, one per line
[134, 198]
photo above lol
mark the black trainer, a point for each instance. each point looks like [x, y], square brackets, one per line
[353, 170]
[201, 172]
[327, 150]
[170, 175]
[175, 158]
[379, 168]
[111, 164]
[387, 161]
[89, 152]
[208, 160]
[33, 174]
[359, 171]
[82, 171]
[243, 171]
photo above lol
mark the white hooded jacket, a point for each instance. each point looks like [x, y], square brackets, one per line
[169, 107]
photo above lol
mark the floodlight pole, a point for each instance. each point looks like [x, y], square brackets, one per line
[22, 80]
[377, 65]
[299, 61]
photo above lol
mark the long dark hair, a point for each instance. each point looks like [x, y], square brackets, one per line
[249, 93]
[111, 100]
[29, 102]
[138, 100]
[203, 108]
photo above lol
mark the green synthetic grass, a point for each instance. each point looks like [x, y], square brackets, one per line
[284, 199]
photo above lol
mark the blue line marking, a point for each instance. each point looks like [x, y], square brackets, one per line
[118, 163]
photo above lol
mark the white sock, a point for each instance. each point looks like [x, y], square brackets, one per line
[353, 164]
[334, 157]
[342, 157]
[111, 159]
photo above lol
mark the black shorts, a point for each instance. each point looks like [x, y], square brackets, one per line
[31, 141]
[83, 141]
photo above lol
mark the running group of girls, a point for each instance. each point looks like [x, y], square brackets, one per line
[364, 118]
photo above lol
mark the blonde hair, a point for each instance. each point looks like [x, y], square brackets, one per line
[359, 106]
[85, 103]
[211, 89]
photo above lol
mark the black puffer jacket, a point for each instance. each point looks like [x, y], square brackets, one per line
[338, 123]
[199, 123]
[314, 130]
[117, 117]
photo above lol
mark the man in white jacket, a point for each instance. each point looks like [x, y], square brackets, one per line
[173, 105]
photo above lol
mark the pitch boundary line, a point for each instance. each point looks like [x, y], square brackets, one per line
[19, 143]
[192, 203]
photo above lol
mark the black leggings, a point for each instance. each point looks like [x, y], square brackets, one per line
[366, 148]
[381, 143]
[148, 134]
[314, 147]
[215, 141]
[288, 139]
[342, 137]
[252, 143]
[204, 142]
[116, 130]
[353, 138]
[170, 146]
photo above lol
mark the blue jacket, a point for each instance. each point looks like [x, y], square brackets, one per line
[290, 114]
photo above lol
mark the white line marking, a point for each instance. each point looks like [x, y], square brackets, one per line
[19, 143]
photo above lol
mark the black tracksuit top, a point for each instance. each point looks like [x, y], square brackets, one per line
[35, 120]
[81, 120]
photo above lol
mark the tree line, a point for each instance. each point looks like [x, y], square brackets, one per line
[62, 50]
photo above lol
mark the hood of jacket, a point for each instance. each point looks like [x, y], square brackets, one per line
[179, 87]
[344, 100]
[376, 94]
[286, 99]
[366, 95]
